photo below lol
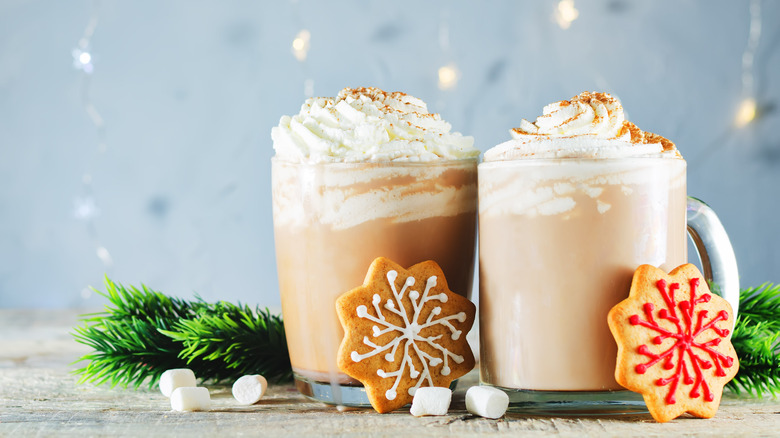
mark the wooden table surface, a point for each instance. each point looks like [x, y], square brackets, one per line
[40, 397]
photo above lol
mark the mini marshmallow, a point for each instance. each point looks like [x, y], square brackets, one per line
[176, 378]
[248, 390]
[190, 399]
[431, 400]
[486, 401]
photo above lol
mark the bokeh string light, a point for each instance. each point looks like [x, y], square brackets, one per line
[300, 45]
[448, 74]
[747, 111]
[300, 50]
[565, 13]
[85, 207]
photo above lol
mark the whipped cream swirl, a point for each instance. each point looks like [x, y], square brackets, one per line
[366, 125]
[590, 125]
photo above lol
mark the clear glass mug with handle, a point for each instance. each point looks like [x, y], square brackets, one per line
[559, 240]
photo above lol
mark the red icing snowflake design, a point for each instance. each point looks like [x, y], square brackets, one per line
[685, 336]
[674, 342]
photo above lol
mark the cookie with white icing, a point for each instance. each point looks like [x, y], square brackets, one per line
[404, 329]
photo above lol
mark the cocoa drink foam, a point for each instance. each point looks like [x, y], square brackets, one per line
[355, 177]
[567, 210]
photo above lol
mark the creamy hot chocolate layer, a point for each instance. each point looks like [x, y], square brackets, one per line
[355, 177]
[567, 210]
[555, 257]
[331, 221]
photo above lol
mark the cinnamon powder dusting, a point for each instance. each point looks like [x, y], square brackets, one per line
[643, 137]
[655, 138]
[374, 93]
[381, 97]
[637, 136]
[587, 97]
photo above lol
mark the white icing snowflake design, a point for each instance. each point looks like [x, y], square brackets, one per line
[409, 335]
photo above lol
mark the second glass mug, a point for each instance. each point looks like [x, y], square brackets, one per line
[559, 240]
[331, 220]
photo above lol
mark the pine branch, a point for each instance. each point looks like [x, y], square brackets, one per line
[759, 361]
[138, 337]
[761, 303]
[245, 341]
[756, 340]
[126, 352]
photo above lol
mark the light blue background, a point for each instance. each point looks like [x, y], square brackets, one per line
[189, 90]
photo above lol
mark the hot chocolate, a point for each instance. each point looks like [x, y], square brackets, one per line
[567, 210]
[331, 221]
[559, 242]
[363, 175]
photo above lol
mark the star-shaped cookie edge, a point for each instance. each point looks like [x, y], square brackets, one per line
[346, 307]
[643, 290]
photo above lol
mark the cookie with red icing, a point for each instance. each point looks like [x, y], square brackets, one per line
[674, 342]
[404, 329]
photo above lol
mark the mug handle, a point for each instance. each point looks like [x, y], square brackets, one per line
[715, 251]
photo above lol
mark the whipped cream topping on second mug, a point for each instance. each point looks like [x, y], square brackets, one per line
[589, 125]
[368, 124]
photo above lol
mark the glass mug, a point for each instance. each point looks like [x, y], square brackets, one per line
[559, 240]
[331, 220]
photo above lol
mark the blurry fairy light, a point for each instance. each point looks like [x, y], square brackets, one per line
[82, 60]
[86, 293]
[448, 77]
[104, 256]
[300, 45]
[746, 112]
[85, 208]
[748, 108]
[566, 13]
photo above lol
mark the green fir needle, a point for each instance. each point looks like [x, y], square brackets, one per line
[143, 332]
[756, 340]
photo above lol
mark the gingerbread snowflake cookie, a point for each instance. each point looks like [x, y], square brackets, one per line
[404, 329]
[674, 342]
